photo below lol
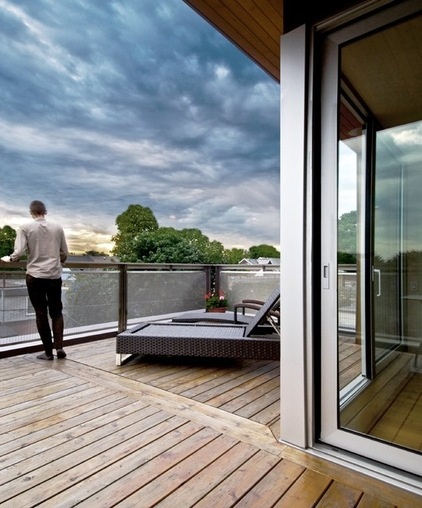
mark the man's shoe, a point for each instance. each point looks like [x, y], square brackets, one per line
[61, 353]
[45, 356]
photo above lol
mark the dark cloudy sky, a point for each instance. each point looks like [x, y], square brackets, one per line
[117, 102]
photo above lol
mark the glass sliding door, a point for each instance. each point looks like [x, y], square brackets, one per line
[375, 409]
[389, 241]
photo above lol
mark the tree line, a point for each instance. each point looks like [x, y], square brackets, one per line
[140, 239]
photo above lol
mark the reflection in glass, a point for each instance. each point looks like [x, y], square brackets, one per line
[379, 250]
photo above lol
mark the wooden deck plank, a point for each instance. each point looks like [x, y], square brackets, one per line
[247, 390]
[60, 475]
[59, 452]
[74, 415]
[57, 442]
[158, 372]
[350, 360]
[339, 494]
[112, 439]
[15, 402]
[258, 405]
[9, 370]
[364, 411]
[234, 455]
[178, 381]
[23, 437]
[179, 367]
[367, 501]
[145, 465]
[164, 485]
[391, 424]
[240, 428]
[268, 414]
[271, 487]
[226, 390]
[306, 491]
[355, 479]
[40, 411]
[236, 485]
[27, 377]
[231, 372]
[410, 433]
[193, 490]
[275, 427]
[350, 366]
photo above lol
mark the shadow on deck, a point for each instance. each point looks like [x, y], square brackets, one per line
[172, 432]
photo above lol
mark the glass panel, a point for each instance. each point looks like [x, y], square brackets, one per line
[351, 227]
[380, 239]
[388, 239]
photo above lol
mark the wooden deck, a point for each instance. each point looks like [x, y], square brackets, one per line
[166, 433]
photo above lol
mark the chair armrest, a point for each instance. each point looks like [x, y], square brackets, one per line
[257, 302]
[244, 306]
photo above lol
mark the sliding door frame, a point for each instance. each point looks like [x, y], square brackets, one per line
[331, 433]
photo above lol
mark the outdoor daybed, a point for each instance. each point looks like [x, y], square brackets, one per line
[219, 340]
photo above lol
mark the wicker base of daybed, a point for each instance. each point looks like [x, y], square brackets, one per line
[200, 340]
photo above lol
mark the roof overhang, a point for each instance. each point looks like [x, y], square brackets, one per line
[255, 26]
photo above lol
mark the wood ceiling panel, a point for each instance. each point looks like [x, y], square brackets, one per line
[255, 26]
[385, 69]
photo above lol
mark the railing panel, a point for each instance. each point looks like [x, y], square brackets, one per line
[347, 289]
[93, 301]
[256, 284]
[152, 293]
[90, 297]
[101, 298]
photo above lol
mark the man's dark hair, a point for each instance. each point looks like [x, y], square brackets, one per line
[37, 208]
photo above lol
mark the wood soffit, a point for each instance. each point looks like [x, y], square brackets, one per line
[255, 26]
[371, 65]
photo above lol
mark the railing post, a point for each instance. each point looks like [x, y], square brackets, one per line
[217, 271]
[122, 325]
[208, 284]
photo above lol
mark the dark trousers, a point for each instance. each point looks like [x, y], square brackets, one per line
[46, 298]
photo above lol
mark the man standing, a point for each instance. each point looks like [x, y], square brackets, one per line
[46, 245]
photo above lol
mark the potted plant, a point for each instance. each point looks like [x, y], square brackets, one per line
[216, 302]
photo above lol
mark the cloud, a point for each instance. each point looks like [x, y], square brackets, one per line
[108, 104]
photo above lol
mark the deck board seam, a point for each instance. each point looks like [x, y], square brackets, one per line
[241, 428]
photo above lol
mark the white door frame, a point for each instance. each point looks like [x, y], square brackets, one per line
[330, 431]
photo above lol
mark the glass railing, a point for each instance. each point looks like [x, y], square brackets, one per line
[105, 298]
[347, 294]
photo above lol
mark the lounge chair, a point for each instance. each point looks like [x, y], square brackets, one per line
[211, 340]
[270, 321]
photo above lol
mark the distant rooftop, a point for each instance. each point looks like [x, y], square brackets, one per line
[260, 261]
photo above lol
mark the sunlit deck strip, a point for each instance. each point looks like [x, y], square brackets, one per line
[159, 433]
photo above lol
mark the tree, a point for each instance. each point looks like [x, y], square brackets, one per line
[140, 239]
[234, 256]
[7, 240]
[263, 251]
[165, 245]
[211, 251]
[131, 224]
[347, 237]
[169, 245]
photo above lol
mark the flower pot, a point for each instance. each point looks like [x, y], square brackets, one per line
[217, 309]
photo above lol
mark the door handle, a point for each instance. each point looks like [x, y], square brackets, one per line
[377, 272]
[326, 276]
